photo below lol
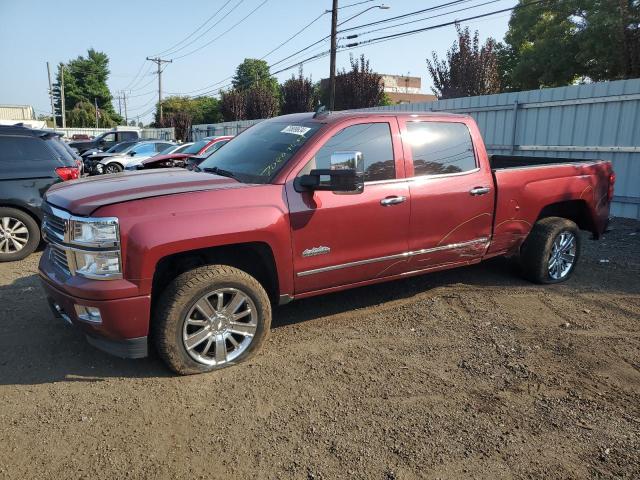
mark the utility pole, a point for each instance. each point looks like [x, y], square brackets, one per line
[332, 67]
[62, 100]
[95, 104]
[158, 61]
[124, 100]
[119, 105]
[53, 108]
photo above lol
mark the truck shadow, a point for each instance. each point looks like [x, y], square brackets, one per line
[36, 348]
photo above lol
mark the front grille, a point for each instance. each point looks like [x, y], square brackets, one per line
[55, 224]
[59, 257]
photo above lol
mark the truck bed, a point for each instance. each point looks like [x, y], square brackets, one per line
[500, 162]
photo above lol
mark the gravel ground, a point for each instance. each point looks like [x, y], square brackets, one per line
[470, 373]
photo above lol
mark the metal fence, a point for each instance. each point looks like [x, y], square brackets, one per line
[198, 132]
[598, 120]
[149, 133]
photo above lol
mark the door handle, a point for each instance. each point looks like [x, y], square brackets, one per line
[396, 199]
[479, 191]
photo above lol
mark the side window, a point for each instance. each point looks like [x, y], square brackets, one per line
[109, 138]
[162, 146]
[440, 147]
[128, 136]
[372, 139]
[144, 149]
[20, 153]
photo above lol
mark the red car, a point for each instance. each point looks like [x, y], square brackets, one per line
[189, 157]
[297, 206]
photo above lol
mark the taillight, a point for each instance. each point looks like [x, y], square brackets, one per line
[612, 181]
[68, 173]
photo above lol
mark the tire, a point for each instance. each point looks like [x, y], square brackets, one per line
[180, 306]
[548, 240]
[112, 168]
[15, 242]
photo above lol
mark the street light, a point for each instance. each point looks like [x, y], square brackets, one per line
[334, 30]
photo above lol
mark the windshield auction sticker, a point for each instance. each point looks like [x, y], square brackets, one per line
[295, 129]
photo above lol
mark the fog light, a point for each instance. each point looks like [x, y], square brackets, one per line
[88, 314]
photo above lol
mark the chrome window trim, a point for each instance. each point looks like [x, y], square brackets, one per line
[451, 246]
[443, 175]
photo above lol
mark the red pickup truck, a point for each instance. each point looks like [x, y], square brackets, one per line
[301, 205]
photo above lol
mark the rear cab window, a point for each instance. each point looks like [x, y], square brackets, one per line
[61, 153]
[440, 148]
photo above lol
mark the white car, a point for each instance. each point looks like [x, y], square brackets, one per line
[138, 152]
[178, 148]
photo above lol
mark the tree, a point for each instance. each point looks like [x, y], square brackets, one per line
[200, 109]
[180, 121]
[251, 72]
[298, 94]
[233, 105]
[261, 102]
[359, 87]
[85, 81]
[469, 69]
[558, 43]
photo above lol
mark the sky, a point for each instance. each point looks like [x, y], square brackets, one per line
[32, 32]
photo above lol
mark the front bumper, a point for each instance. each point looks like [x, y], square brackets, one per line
[124, 322]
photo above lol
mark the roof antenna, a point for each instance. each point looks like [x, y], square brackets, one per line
[321, 110]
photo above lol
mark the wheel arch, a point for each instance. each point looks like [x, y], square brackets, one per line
[577, 211]
[255, 258]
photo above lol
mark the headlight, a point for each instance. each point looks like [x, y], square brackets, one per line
[95, 232]
[97, 265]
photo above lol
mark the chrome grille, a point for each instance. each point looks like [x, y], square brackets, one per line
[55, 225]
[59, 257]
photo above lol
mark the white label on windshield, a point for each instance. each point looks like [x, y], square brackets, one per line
[295, 129]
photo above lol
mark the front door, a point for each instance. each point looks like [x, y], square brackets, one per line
[346, 238]
[452, 197]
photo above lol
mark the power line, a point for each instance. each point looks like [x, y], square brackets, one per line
[223, 33]
[355, 35]
[195, 31]
[296, 34]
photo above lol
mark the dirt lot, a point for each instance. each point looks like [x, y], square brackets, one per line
[471, 373]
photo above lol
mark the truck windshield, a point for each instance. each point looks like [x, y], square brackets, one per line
[256, 156]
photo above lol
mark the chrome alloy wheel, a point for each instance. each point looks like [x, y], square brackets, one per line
[14, 235]
[220, 326]
[563, 255]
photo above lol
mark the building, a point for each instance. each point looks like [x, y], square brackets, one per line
[404, 89]
[12, 114]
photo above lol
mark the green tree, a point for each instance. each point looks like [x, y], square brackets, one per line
[558, 43]
[233, 105]
[200, 109]
[469, 69]
[85, 81]
[252, 72]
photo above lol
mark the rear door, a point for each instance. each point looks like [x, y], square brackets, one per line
[452, 195]
[345, 238]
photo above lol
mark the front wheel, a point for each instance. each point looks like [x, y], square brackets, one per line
[551, 251]
[210, 318]
[113, 168]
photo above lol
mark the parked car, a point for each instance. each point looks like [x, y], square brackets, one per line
[30, 162]
[188, 158]
[171, 150]
[297, 206]
[117, 162]
[107, 139]
[80, 136]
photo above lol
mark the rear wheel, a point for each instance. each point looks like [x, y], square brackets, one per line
[210, 318]
[19, 235]
[551, 251]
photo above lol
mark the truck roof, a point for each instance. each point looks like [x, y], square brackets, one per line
[330, 117]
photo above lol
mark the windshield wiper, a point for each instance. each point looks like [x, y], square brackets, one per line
[220, 171]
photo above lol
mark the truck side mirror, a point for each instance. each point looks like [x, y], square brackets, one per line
[346, 175]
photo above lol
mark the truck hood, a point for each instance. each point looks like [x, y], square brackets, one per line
[83, 197]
